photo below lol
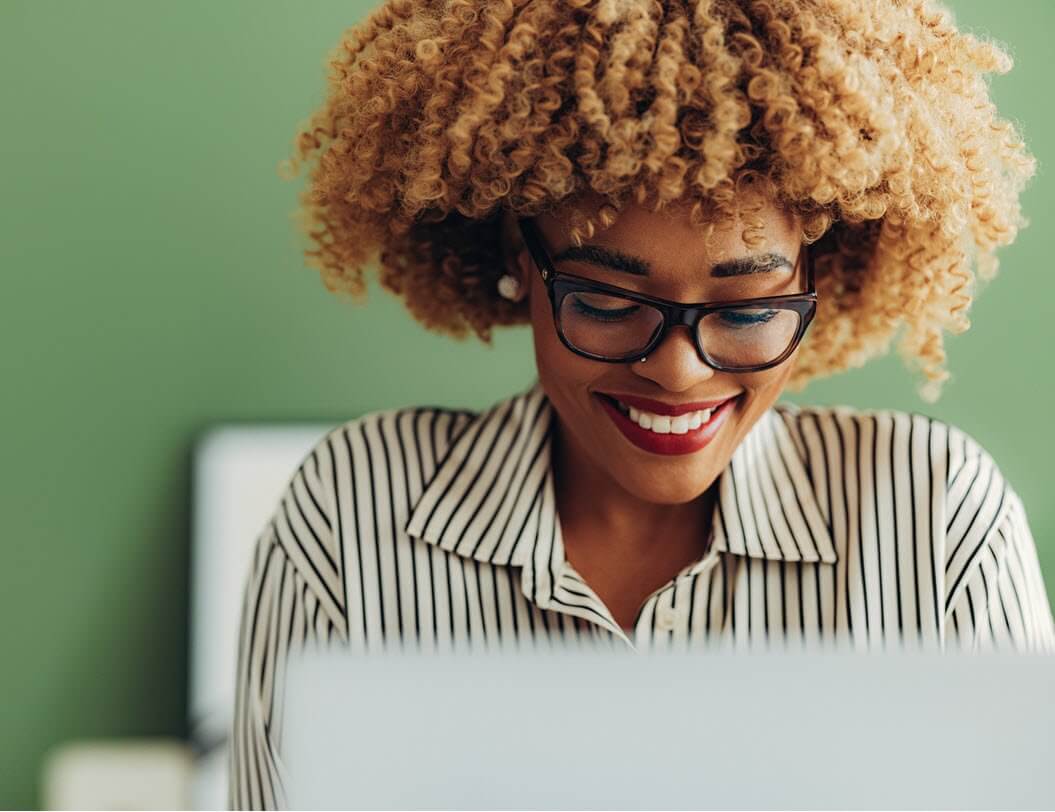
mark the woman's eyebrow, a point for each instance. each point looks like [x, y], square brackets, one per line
[756, 263]
[610, 257]
[617, 260]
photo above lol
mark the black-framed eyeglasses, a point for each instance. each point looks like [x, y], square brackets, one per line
[615, 325]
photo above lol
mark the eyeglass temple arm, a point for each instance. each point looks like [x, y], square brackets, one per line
[533, 241]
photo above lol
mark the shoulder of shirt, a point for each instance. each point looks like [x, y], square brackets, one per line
[974, 481]
[437, 426]
[307, 521]
[444, 423]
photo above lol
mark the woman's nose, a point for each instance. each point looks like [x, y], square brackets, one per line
[675, 364]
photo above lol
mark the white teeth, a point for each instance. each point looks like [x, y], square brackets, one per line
[665, 424]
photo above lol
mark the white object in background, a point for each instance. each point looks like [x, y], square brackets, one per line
[208, 789]
[239, 474]
[120, 774]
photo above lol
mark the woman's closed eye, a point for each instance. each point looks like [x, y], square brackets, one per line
[739, 319]
[602, 313]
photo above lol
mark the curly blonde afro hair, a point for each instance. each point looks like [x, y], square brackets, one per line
[871, 119]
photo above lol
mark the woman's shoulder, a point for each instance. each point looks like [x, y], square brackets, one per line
[422, 434]
[896, 444]
[356, 462]
[383, 440]
[431, 423]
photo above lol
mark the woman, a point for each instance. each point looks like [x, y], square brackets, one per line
[695, 205]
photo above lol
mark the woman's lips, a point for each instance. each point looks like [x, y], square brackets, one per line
[648, 440]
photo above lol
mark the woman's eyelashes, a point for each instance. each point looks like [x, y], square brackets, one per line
[602, 313]
[739, 318]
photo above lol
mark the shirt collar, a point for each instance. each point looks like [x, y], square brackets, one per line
[491, 496]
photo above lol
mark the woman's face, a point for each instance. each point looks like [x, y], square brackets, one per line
[680, 263]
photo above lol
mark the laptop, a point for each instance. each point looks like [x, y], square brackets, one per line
[597, 728]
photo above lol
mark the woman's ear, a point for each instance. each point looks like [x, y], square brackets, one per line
[516, 259]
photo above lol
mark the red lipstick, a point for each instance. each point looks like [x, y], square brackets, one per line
[648, 440]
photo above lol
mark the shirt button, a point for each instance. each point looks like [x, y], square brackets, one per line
[666, 618]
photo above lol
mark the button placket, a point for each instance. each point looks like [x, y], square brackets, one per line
[666, 618]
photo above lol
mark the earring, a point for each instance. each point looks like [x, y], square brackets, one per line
[508, 286]
[643, 360]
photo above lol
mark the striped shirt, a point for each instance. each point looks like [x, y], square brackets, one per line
[438, 528]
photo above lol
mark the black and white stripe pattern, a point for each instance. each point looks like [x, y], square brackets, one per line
[437, 528]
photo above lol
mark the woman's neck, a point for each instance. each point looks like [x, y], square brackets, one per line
[620, 544]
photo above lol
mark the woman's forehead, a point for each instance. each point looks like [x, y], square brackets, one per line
[758, 221]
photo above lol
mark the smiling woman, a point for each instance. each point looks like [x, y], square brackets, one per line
[695, 205]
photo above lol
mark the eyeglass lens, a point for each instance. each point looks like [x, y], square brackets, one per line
[613, 327]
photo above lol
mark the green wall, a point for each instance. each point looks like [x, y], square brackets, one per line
[152, 284]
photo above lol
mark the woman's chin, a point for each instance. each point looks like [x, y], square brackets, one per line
[665, 487]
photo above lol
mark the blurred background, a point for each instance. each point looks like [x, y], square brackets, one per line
[153, 287]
